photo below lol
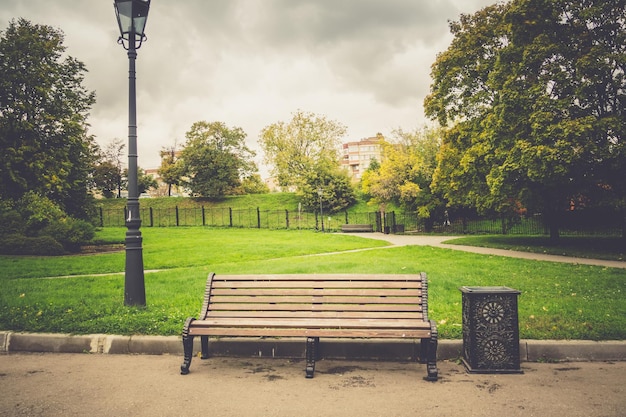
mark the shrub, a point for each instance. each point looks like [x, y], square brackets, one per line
[11, 223]
[71, 233]
[26, 227]
[22, 245]
[38, 212]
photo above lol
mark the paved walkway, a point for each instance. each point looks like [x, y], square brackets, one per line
[66, 385]
[438, 241]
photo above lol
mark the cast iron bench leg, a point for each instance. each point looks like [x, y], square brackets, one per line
[204, 341]
[424, 350]
[431, 355]
[311, 355]
[187, 348]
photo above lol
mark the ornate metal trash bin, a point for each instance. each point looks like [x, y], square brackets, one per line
[490, 330]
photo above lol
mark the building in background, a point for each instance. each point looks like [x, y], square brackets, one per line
[357, 156]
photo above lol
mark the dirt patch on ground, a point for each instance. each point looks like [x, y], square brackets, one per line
[93, 249]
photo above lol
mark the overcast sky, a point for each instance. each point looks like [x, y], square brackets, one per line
[252, 63]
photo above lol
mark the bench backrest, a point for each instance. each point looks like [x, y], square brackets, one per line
[342, 296]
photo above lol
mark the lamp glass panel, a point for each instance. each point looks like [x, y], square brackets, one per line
[140, 24]
[140, 14]
[125, 12]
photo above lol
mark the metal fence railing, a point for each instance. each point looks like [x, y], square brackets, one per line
[605, 223]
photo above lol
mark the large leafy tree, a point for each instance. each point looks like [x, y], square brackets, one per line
[215, 159]
[171, 171]
[107, 179]
[297, 149]
[304, 154]
[108, 173]
[535, 92]
[43, 119]
[330, 184]
[405, 173]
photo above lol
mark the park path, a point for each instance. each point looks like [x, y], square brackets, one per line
[439, 242]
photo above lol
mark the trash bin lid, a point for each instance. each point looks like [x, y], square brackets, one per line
[488, 290]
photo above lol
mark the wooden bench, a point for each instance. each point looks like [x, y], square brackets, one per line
[314, 306]
[347, 228]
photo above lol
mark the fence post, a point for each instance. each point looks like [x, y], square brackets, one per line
[101, 217]
[151, 218]
[230, 216]
[287, 218]
[176, 215]
[258, 218]
[203, 217]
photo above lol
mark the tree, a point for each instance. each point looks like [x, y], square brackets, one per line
[107, 179]
[114, 154]
[171, 171]
[334, 185]
[536, 89]
[215, 158]
[43, 119]
[144, 181]
[108, 174]
[405, 174]
[253, 184]
[462, 95]
[298, 148]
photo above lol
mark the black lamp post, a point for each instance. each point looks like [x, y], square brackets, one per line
[131, 17]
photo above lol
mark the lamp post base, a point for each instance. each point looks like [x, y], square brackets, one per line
[134, 287]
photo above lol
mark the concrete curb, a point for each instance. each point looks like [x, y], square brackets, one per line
[530, 350]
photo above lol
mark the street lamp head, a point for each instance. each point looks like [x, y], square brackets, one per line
[131, 18]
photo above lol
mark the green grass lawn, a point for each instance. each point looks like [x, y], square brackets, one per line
[558, 301]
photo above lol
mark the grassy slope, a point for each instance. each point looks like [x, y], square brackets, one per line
[273, 201]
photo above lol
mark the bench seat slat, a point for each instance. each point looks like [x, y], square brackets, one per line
[286, 332]
[313, 300]
[312, 323]
[319, 277]
[318, 284]
[313, 291]
[322, 314]
[372, 292]
[316, 307]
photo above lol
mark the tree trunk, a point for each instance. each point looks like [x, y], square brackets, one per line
[554, 232]
[551, 219]
[624, 228]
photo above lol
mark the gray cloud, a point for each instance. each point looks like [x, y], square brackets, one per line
[249, 63]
